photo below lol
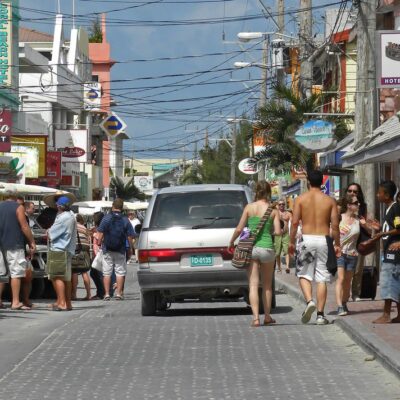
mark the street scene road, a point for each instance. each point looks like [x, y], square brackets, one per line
[107, 350]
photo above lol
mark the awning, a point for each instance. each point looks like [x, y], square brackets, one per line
[333, 159]
[292, 189]
[382, 146]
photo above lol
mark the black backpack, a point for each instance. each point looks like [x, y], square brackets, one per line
[115, 236]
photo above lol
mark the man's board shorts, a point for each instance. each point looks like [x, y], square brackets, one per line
[281, 244]
[311, 258]
[389, 281]
[113, 260]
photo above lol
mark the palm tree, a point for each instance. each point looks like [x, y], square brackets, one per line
[280, 118]
[126, 191]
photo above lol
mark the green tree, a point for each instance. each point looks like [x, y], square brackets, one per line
[280, 118]
[216, 161]
[95, 32]
[126, 191]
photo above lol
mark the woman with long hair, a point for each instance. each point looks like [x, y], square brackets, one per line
[263, 256]
[349, 228]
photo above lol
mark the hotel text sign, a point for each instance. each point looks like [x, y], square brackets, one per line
[5, 43]
[388, 59]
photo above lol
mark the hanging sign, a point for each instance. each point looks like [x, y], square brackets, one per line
[92, 96]
[388, 59]
[73, 144]
[316, 135]
[113, 125]
[249, 166]
[5, 130]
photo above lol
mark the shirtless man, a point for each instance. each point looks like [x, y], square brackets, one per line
[319, 217]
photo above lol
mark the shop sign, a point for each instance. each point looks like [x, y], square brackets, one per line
[5, 130]
[92, 96]
[30, 155]
[53, 166]
[12, 169]
[388, 59]
[316, 135]
[27, 142]
[73, 144]
[143, 182]
[6, 61]
[249, 166]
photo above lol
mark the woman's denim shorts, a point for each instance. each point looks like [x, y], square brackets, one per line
[264, 255]
[349, 263]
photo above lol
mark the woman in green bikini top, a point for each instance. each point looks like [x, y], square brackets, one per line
[263, 256]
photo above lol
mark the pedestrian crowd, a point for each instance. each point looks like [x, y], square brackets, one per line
[325, 238]
[72, 248]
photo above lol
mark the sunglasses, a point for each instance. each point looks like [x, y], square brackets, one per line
[356, 203]
[352, 191]
[280, 204]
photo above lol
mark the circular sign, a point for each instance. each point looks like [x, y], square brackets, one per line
[249, 166]
[316, 135]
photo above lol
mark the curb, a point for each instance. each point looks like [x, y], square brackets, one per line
[386, 355]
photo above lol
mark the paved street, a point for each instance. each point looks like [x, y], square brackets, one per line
[194, 351]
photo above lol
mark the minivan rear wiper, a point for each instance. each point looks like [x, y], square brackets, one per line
[200, 226]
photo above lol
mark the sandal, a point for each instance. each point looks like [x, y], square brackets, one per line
[255, 323]
[269, 322]
[119, 297]
[287, 270]
[107, 297]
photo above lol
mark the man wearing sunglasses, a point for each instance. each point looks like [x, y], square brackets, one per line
[281, 242]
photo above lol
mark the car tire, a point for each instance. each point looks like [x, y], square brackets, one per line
[148, 303]
[37, 289]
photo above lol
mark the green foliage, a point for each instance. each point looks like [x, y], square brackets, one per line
[126, 191]
[95, 33]
[281, 117]
[216, 161]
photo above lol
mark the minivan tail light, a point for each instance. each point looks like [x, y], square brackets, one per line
[161, 255]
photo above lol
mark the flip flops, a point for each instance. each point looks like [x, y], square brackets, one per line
[21, 308]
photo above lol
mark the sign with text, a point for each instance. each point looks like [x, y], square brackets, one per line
[5, 130]
[388, 59]
[73, 144]
[143, 182]
[38, 142]
[53, 166]
[249, 166]
[315, 135]
[92, 96]
[6, 22]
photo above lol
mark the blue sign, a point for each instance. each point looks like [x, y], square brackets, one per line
[113, 125]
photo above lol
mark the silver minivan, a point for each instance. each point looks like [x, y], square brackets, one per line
[183, 245]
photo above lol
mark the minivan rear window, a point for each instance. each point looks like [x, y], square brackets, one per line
[198, 210]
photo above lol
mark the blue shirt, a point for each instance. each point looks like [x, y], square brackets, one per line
[105, 228]
[63, 232]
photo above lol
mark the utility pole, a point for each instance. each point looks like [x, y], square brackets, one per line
[366, 112]
[233, 153]
[280, 73]
[263, 94]
[305, 33]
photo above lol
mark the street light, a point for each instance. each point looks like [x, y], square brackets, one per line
[247, 36]
[244, 64]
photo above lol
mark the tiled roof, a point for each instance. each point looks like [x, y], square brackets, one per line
[30, 35]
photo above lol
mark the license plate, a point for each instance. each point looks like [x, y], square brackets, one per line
[201, 260]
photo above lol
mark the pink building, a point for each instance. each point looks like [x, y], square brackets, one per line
[99, 54]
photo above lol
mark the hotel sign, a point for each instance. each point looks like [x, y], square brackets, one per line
[388, 59]
[316, 135]
[5, 43]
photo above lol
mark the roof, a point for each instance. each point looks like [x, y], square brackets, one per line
[383, 145]
[202, 188]
[31, 35]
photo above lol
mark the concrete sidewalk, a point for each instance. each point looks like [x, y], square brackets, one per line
[381, 341]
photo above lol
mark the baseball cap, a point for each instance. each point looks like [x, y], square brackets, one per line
[63, 201]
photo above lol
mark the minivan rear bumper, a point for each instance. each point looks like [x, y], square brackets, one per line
[150, 280]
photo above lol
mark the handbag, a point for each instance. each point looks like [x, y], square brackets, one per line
[56, 264]
[98, 261]
[80, 262]
[331, 262]
[365, 243]
[242, 253]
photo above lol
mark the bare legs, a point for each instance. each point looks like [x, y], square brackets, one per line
[26, 288]
[63, 291]
[385, 317]
[15, 290]
[306, 288]
[86, 282]
[266, 270]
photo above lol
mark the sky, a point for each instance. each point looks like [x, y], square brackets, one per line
[176, 60]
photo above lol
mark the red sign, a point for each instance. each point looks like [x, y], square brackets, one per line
[53, 165]
[73, 152]
[5, 131]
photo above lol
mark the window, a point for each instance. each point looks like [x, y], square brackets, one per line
[215, 209]
[95, 78]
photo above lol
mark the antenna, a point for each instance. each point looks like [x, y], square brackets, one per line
[73, 14]
[59, 7]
